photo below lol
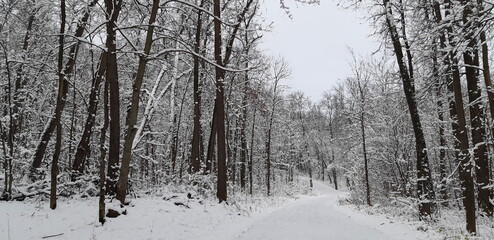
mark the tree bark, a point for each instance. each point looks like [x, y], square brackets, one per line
[62, 87]
[210, 156]
[243, 129]
[366, 167]
[131, 120]
[112, 12]
[457, 114]
[268, 140]
[228, 53]
[425, 189]
[485, 172]
[477, 115]
[83, 146]
[251, 157]
[221, 189]
[196, 154]
[69, 66]
[102, 148]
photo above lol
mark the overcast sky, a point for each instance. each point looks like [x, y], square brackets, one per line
[315, 42]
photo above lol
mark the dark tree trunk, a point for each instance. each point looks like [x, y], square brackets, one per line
[102, 148]
[366, 167]
[425, 189]
[69, 67]
[219, 107]
[83, 146]
[112, 11]
[72, 124]
[477, 115]
[458, 124]
[6, 155]
[331, 136]
[196, 154]
[211, 144]
[251, 156]
[306, 148]
[439, 80]
[268, 158]
[335, 179]
[220, 61]
[243, 135]
[62, 88]
[323, 164]
[11, 135]
[131, 119]
[362, 129]
[490, 94]
[268, 139]
[487, 80]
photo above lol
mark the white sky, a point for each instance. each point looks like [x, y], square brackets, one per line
[315, 42]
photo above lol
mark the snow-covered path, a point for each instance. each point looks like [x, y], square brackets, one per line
[152, 218]
[321, 218]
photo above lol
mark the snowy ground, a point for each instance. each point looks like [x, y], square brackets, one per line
[320, 217]
[308, 217]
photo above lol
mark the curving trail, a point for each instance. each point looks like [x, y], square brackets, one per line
[320, 218]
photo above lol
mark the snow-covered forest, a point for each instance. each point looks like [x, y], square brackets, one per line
[164, 119]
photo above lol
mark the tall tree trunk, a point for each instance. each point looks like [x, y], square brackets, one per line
[72, 124]
[425, 189]
[477, 115]
[62, 87]
[224, 61]
[251, 156]
[11, 134]
[211, 143]
[83, 146]
[102, 148]
[485, 172]
[366, 167]
[268, 140]
[439, 80]
[196, 154]
[67, 70]
[443, 191]
[220, 107]
[243, 134]
[306, 148]
[362, 127]
[131, 120]
[268, 156]
[458, 123]
[335, 179]
[331, 136]
[6, 155]
[112, 12]
[173, 118]
[243, 129]
[487, 74]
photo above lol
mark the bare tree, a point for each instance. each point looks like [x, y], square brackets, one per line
[281, 70]
[425, 189]
[131, 120]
